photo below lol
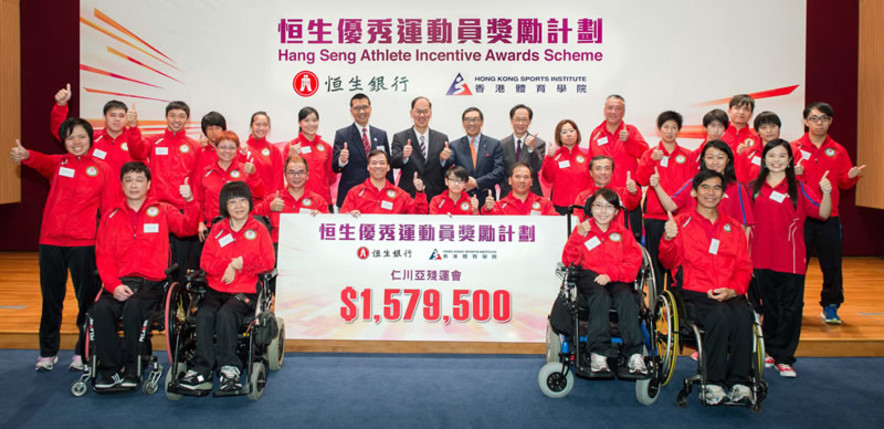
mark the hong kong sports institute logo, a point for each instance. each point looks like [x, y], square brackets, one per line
[458, 87]
[305, 83]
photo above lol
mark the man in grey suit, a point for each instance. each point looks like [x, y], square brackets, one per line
[522, 146]
[422, 150]
[479, 154]
[353, 144]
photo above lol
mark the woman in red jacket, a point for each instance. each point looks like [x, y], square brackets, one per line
[609, 259]
[236, 250]
[80, 186]
[315, 150]
[263, 155]
[566, 167]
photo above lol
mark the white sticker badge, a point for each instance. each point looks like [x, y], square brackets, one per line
[66, 172]
[564, 164]
[386, 205]
[227, 239]
[160, 150]
[778, 197]
[713, 246]
[592, 243]
[664, 162]
[98, 153]
[151, 228]
[603, 140]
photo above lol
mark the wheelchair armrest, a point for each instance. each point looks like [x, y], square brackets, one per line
[172, 272]
[195, 276]
[268, 275]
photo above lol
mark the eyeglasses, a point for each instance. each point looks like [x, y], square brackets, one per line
[454, 181]
[821, 118]
[361, 107]
[298, 172]
[567, 131]
[603, 207]
[471, 120]
[422, 112]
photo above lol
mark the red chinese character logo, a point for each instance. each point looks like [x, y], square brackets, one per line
[362, 253]
[305, 83]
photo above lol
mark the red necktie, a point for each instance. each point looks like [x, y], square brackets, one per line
[365, 143]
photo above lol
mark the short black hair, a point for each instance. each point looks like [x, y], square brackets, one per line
[67, 127]
[359, 96]
[259, 113]
[730, 174]
[305, 112]
[742, 100]
[458, 172]
[604, 193]
[823, 107]
[715, 115]
[297, 159]
[615, 96]
[134, 167]
[512, 170]
[522, 106]
[472, 109]
[213, 118]
[233, 190]
[379, 152]
[421, 97]
[114, 104]
[669, 115]
[600, 158]
[178, 105]
[706, 174]
[766, 118]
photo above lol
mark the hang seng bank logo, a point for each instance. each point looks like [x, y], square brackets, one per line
[305, 83]
[458, 87]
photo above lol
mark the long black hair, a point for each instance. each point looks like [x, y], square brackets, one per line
[790, 172]
[730, 174]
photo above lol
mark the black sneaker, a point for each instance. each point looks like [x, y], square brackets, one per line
[108, 379]
[130, 381]
[230, 379]
[193, 380]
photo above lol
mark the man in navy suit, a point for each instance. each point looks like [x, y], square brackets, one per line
[480, 155]
[522, 146]
[422, 150]
[353, 144]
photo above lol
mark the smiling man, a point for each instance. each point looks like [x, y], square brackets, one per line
[480, 155]
[353, 144]
[422, 150]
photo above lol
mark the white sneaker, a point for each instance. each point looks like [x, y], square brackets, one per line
[786, 370]
[742, 393]
[45, 363]
[712, 394]
[76, 363]
[637, 364]
[598, 363]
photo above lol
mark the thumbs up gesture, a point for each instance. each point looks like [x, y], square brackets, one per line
[345, 154]
[132, 116]
[63, 95]
[530, 141]
[295, 149]
[624, 134]
[489, 203]
[657, 154]
[743, 146]
[446, 153]
[553, 149]
[630, 184]
[584, 227]
[654, 181]
[19, 153]
[185, 190]
[474, 201]
[670, 228]
[799, 169]
[825, 184]
[277, 204]
[853, 172]
[249, 166]
[406, 151]
[418, 183]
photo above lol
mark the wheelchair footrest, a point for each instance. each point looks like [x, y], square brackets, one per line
[175, 388]
[244, 391]
[585, 372]
[624, 374]
[115, 389]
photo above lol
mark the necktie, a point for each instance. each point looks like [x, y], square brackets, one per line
[423, 147]
[518, 149]
[365, 143]
[473, 152]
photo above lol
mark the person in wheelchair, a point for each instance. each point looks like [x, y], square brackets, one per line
[132, 253]
[236, 250]
[609, 259]
[710, 250]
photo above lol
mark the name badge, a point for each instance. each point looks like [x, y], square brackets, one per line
[664, 162]
[603, 140]
[98, 153]
[756, 160]
[66, 172]
[386, 205]
[162, 150]
[305, 210]
[535, 213]
[381, 147]
[151, 228]
[227, 239]
[713, 246]
[778, 197]
[307, 149]
[564, 164]
[592, 243]
[805, 155]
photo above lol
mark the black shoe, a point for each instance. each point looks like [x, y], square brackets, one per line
[193, 380]
[230, 379]
[108, 380]
[130, 381]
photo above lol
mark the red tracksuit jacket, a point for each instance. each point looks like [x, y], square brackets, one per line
[443, 204]
[711, 256]
[625, 154]
[533, 205]
[307, 203]
[207, 189]
[734, 202]
[268, 163]
[674, 168]
[171, 158]
[778, 237]
[568, 174]
[831, 157]
[628, 201]
[734, 138]
[136, 244]
[252, 242]
[390, 200]
[613, 252]
[80, 188]
[318, 154]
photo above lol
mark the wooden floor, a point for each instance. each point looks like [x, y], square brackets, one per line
[862, 333]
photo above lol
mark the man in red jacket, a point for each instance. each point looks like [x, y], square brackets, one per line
[816, 154]
[521, 201]
[377, 195]
[132, 253]
[710, 250]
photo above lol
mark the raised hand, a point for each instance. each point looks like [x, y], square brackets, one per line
[825, 184]
[530, 141]
[670, 228]
[475, 203]
[584, 227]
[553, 148]
[657, 154]
[855, 171]
[654, 181]
[489, 203]
[446, 153]
[277, 204]
[185, 190]
[406, 151]
[631, 186]
[799, 169]
[63, 96]
[132, 116]
[295, 149]
[744, 146]
[418, 183]
[471, 184]
[345, 155]
[19, 153]
[624, 134]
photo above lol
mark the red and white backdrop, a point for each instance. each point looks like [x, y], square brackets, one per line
[561, 58]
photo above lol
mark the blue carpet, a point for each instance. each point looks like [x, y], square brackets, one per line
[444, 391]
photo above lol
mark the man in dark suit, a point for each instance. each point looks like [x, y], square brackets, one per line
[353, 144]
[522, 146]
[480, 155]
[423, 151]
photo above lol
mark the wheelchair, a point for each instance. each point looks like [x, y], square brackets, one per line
[145, 360]
[566, 351]
[260, 343]
[689, 333]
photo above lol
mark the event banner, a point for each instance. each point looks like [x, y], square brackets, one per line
[560, 58]
[420, 278]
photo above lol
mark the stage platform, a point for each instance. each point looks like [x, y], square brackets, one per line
[862, 333]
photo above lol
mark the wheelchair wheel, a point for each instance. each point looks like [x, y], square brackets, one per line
[555, 380]
[276, 349]
[666, 334]
[174, 373]
[257, 381]
[175, 316]
[79, 388]
[647, 390]
[553, 345]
